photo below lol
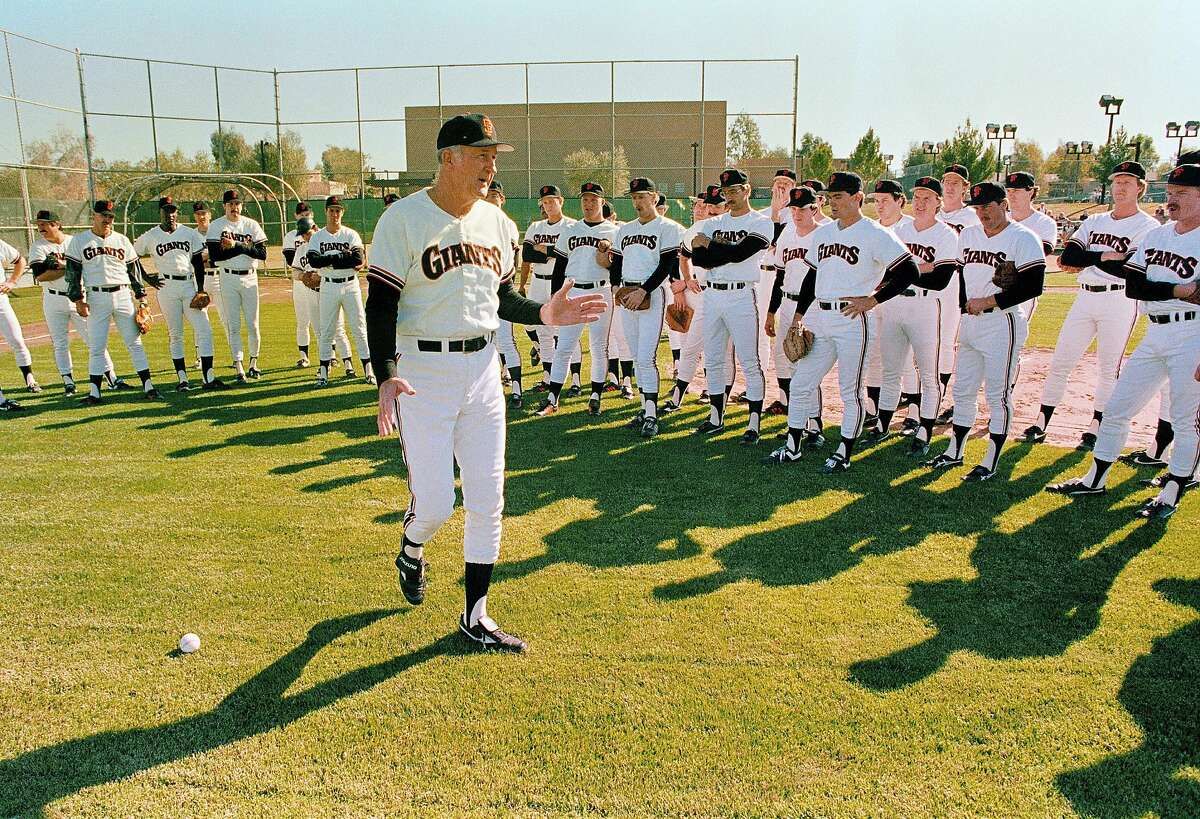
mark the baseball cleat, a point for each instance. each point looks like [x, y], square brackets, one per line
[740, 398]
[918, 448]
[627, 393]
[301, 363]
[593, 406]
[183, 386]
[88, 400]
[708, 428]
[609, 386]
[540, 386]
[151, 394]
[669, 407]
[783, 455]
[703, 399]
[1158, 480]
[878, 436]
[546, 408]
[320, 382]
[574, 391]
[870, 421]
[942, 462]
[33, 386]
[348, 373]
[254, 372]
[910, 427]
[1087, 442]
[979, 474]
[1033, 435]
[1155, 509]
[636, 421]
[414, 577]
[8, 405]
[120, 384]
[535, 358]
[1074, 488]
[650, 427]
[215, 384]
[813, 440]
[834, 463]
[516, 401]
[505, 378]
[1142, 458]
[370, 379]
[241, 379]
[69, 389]
[776, 408]
[486, 634]
[749, 438]
[946, 417]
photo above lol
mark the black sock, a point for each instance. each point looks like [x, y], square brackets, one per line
[650, 400]
[885, 419]
[95, 379]
[755, 415]
[110, 377]
[555, 389]
[323, 370]
[845, 447]
[1045, 413]
[303, 350]
[614, 369]
[366, 365]
[873, 395]
[678, 392]
[626, 369]
[532, 336]
[716, 412]
[1101, 470]
[1164, 434]
[675, 354]
[995, 444]
[180, 368]
[794, 437]
[206, 365]
[597, 389]
[575, 371]
[785, 389]
[26, 370]
[959, 438]
[545, 371]
[945, 379]
[144, 375]
[514, 374]
[478, 576]
[927, 426]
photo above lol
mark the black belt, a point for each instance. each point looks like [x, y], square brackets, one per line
[56, 292]
[460, 345]
[633, 284]
[236, 272]
[833, 305]
[1167, 318]
[914, 291]
[1101, 288]
[177, 278]
[111, 288]
[342, 280]
[586, 285]
[728, 285]
[547, 277]
[793, 296]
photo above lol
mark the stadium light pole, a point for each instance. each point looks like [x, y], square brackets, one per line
[1078, 150]
[1112, 107]
[1176, 131]
[1000, 133]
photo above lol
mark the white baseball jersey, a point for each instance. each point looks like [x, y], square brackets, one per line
[851, 261]
[960, 219]
[8, 254]
[934, 245]
[732, 230]
[700, 274]
[172, 252]
[41, 250]
[292, 241]
[791, 251]
[904, 217]
[1168, 256]
[103, 259]
[450, 269]
[980, 254]
[1104, 234]
[544, 232]
[641, 246]
[1043, 226]
[300, 260]
[578, 242]
[330, 244]
[244, 229]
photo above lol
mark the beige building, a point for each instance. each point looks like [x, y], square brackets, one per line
[565, 143]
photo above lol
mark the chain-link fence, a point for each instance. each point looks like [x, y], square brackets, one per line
[81, 125]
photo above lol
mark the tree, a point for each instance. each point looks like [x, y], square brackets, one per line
[63, 148]
[814, 158]
[1122, 148]
[744, 140]
[866, 160]
[1067, 174]
[1027, 156]
[597, 166]
[343, 165]
[966, 148]
[231, 152]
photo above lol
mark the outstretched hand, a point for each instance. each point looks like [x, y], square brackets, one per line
[389, 394]
[562, 309]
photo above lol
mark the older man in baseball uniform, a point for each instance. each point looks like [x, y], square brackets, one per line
[440, 278]
[236, 244]
[1162, 276]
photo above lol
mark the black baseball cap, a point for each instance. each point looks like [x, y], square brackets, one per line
[495, 185]
[303, 207]
[334, 201]
[802, 197]
[473, 130]
[929, 183]
[230, 196]
[642, 184]
[1130, 168]
[985, 193]
[845, 182]
[1020, 180]
[199, 207]
[549, 190]
[607, 210]
[105, 207]
[732, 176]
[788, 172]
[889, 186]
[713, 195]
[168, 204]
[660, 201]
[46, 216]
[1186, 175]
[816, 184]
[304, 224]
[591, 187]
[1190, 158]
[960, 170]
[389, 198]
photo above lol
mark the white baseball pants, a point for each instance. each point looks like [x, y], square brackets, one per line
[989, 352]
[307, 305]
[837, 340]
[61, 315]
[174, 300]
[643, 330]
[598, 339]
[909, 329]
[1108, 317]
[10, 328]
[334, 299]
[115, 308]
[732, 314]
[239, 295]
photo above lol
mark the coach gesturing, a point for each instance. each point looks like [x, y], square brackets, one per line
[439, 282]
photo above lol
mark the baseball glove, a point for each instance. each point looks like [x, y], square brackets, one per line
[622, 292]
[311, 279]
[142, 317]
[1005, 276]
[679, 319]
[798, 342]
[200, 301]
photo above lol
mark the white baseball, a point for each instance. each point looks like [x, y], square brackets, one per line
[189, 642]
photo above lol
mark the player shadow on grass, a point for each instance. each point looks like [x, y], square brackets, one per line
[1160, 693]
[1036, 590]
[35, 779]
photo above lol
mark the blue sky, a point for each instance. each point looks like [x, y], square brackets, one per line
[913, 71]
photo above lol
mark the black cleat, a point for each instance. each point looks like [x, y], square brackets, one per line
[183, 386]
[540, 386]
[574, 391]
[535, 357]
[703, 399]
[749, 438]
[151, 394]
[877, 436]
[414, 577]
[740, 398]
[369, 379]
[946, 417]
[1142, 458]
[34, 387]
[637, 420]
[813, 440]
[942, 461]
[650, 427]
[1158, 480]
[320, 382]
[69, 388]
[301, 363]
[546, 408]
[910, 427]
[1087, 442]
[1033, 435]
[1155, 509]
[516, 401]
[256, 373]
[783, 455]
[979, 474]
[669, 407]
[486, 634]
[834, 463]
[918, 448]
[241, 379]
[120, 384]
[708, 428]
[593, 406]
[90, 400]
[215, 384]
[627, 393]
[1075, 488]
[8, 405]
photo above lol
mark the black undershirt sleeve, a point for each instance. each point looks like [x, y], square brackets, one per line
[134, 270]
[715, 254]
[1028, 286]
[559, 274]
[383, 302]
[616, 270]
[939, 277]
[808, 292]
[778, 232]
[74, 277]
[289, 254]
[198, 269]
[1141, 288]
[516, 308]
[898, 277]
[530, 254]
[777, 291]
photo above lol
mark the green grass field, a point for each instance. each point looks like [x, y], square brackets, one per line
[709, 636]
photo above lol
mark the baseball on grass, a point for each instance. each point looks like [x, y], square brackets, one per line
[189, 643]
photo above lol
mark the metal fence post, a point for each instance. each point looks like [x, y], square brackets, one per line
[220, 130]
[795, 107]
[702, 107]
[87, 131]
[528, 140]
[612, 157]
[278, 132]
[24, 174]
[441, 118]
[362, 158]
[153, 123]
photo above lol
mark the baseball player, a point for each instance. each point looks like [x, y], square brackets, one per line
[1097, 252]
[10, 328]
[580, 253]
[1162, 275]
[854, 265]
[506, 340]
[441, 272]
[48, 261]
[305, 300]
[620, 368]
[538, 267]
[1003, 265]
[730, 247]
[337, 252]
[7, 404]
[103, 263]
[781, 187]
[177, 252]
[1021, 190]
[674, 339]
[955, 213]
[910, 326]
[645, 254]
[236, 244]
[212, 281]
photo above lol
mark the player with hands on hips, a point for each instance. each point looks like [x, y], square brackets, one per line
[440, 279]
[236, 244]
